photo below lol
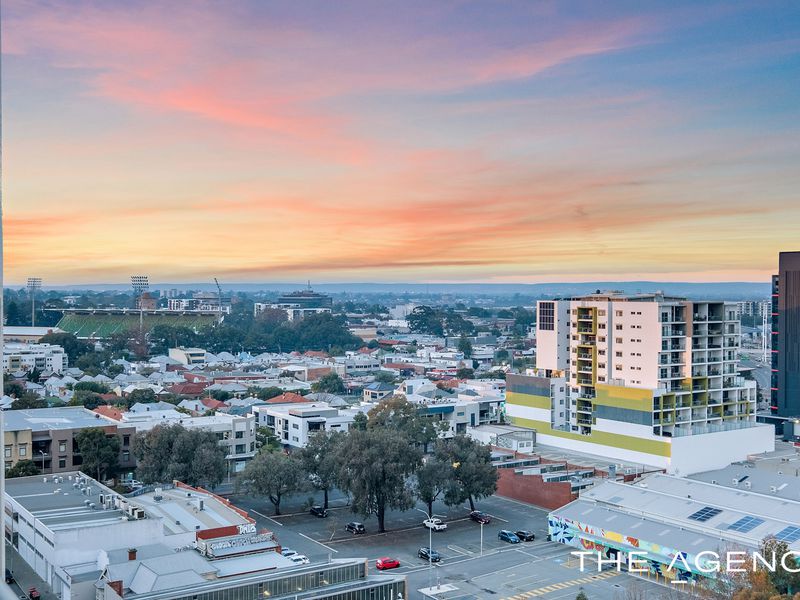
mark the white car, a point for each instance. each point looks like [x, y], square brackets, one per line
[435, 524]
[299, 559]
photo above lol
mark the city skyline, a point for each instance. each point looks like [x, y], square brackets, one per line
[459, 142]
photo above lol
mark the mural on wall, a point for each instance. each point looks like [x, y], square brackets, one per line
[614, 545]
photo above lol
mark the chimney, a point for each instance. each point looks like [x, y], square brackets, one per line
[131, 553]
[116, 586]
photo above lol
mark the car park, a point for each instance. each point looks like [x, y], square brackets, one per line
[386, 563]
[508, 536]
[525, 536]
[318, 511]
[480, 517]
[428, 554]
[435, 524]
[355, 527]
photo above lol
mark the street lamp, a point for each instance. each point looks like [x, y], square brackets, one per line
[481, 538]
[42, 453]
[34, 283]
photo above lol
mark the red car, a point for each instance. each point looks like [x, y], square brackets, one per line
[387, 563]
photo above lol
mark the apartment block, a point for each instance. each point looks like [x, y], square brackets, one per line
[644, 378]
[27, 357]
[785, 392]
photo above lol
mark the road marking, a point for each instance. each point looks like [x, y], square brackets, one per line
[460, 550]
[554, 587]
[316, 542]
[266, 517]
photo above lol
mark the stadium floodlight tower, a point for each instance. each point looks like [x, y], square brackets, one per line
[34, 283]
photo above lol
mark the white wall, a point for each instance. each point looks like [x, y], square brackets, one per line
[697, 453]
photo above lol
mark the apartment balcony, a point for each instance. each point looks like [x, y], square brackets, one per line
[585, 381]
[584, 356]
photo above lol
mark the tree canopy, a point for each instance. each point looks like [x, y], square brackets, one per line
[23, 468]
[472, 475]
[273, 475]
[99, 452]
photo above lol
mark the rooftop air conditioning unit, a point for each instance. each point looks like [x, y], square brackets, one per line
[713, 482]
[87, 502]
[92, 505]
[735, 481]
[748, 484]
[773, 489]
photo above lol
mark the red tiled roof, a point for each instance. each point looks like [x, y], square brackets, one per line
[188, 389]
[316, 354]
[212, 403]
[366, 350]
[287, 398]
[390, 342]
[110, 412]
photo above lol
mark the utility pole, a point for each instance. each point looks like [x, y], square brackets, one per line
[34, 283]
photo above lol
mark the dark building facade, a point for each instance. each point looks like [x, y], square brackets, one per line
[786, 336]
[307, 299]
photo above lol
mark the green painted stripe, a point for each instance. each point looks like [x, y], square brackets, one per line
[528, 400]
[615, 440]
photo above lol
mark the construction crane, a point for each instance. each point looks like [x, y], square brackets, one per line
[219, 294]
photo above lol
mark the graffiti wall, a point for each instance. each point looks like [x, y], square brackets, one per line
[616, 545]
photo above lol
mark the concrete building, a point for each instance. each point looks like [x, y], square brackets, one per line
[294, 312]
[663, 517]
[293, 424]
[786, 336]
[47, 437]
[644, 378]
[188, 356]
[26, 357]
[173, 542]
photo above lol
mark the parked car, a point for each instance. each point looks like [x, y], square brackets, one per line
[428, 554]
[525, 535]
[480, 517]
[318, 511]
[287, 552]
[355, 527]
[386, 563]
[9, 577]
[508, 536]
[299, 559]
[435, 524]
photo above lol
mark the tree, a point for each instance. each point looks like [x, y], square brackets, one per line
[144, 395]
[581, 596]
[782, 580]
[169, 452]
[433, 480]
[266, 441]
[360, 421]
[465, 373]
[99, 452]
[269, 392]
[15, 389]
[23, 468]
[221, 395]
[71, 344]
[424, 319]
[465, 346]
[91, 386]
[385, 377]
[29, 400]
[397, 413]
[86, 399]
[472, 475]
[375, 466]
[329, 383]
[274, 475]
[319, 461]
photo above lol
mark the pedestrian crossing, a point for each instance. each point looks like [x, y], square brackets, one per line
[554, 587]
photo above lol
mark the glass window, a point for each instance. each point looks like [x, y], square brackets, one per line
[23, 450]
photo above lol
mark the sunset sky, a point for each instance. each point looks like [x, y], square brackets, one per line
[505, 141]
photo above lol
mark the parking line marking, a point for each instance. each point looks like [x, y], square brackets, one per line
[316, 542]
[266, 517]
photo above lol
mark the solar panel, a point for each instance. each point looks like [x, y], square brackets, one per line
[705, 513]
[788, 534]
[746, 524]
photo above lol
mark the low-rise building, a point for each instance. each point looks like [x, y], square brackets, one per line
[672, 521]
[27, 357]
[27, 335]
[293, 424]
[188, 356]
[47, 437]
